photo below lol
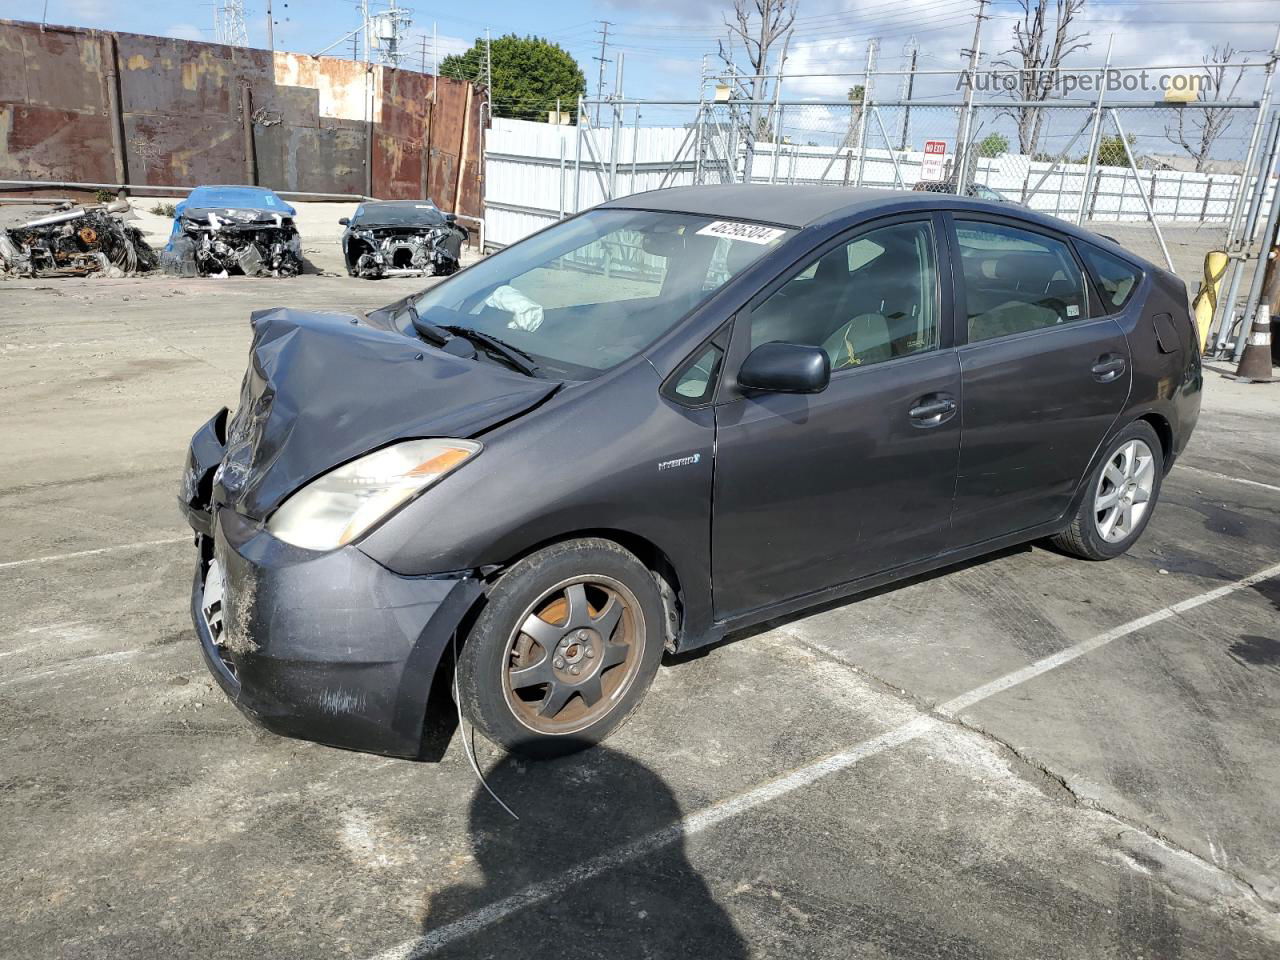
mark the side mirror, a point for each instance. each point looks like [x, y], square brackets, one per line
[450, 217]
[786, 368]
[344, 221]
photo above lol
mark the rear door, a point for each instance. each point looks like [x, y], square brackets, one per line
[1042, 380]
[816, 490]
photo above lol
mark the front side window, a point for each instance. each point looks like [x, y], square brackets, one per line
[869, 300]
[1115, 277]
[1016, 280]
[587, 294]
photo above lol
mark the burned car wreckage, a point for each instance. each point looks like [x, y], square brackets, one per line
[402, 238]
[219, 231]
[76, 241]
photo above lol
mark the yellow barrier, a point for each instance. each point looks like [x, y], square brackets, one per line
[1206, 301]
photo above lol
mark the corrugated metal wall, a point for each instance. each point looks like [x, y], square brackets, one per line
[91, 106]
[525, 188]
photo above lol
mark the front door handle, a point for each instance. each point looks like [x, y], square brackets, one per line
[1108, 368]
[932, 410]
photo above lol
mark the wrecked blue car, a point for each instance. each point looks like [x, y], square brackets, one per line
[224, 231]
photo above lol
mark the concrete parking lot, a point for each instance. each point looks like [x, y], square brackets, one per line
[1026, 756]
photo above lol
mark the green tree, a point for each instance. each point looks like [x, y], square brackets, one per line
[993, 145]
[529, 74]
[1111, 152]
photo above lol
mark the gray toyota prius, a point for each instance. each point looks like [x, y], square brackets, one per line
[668, 418]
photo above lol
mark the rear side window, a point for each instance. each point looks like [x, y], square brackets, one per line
[1017, 280]
[1116, 278]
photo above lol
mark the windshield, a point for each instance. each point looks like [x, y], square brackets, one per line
[397, 214]
[587, 294]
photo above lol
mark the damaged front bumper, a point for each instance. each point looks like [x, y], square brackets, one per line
[330, 647]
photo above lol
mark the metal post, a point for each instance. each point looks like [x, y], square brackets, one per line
[1224, 319]
[1259, 273]
[615, 129]
[271, 29]
[866, 105]
[635, 148]
[700, 128]
[1142, 194]
[560, 137]
[897, 172]
[1264, 107]
[777, 143]
[1092, 162]
[577, 160]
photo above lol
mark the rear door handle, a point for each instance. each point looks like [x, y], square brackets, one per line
[932, 410]
[1108, 368]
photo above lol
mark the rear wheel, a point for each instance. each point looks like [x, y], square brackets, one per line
[564, 650]
[1121, 495]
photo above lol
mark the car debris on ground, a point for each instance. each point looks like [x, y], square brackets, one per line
[76, 241]
[402, 238]
[228, 230]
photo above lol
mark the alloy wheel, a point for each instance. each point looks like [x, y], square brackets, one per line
[573, 654]
[1124, 490]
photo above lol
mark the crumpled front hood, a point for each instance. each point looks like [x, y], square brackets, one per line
[324, 388]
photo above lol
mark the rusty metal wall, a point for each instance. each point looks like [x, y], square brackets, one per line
[100, 107]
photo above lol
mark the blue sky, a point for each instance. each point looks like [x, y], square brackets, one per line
[664, 39]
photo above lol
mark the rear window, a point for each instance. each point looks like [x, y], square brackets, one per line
[1017, 280]
[1116, 278]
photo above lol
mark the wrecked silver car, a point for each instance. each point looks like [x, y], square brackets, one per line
[226, 231]
[76, 241]
[401, 238]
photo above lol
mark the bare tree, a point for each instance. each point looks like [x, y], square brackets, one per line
[1198, 129]
[1039, 47]
[759, 25]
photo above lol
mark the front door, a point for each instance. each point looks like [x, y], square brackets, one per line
[817, 490]
[1042, 382]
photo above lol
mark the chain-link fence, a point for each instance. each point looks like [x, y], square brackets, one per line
[1169, 181]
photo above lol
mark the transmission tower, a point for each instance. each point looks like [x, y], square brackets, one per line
[387, 31]
[229, 23]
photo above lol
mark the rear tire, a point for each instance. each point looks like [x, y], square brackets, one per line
[564, 650]
[1120, 496]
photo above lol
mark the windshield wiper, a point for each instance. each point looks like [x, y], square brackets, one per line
[427, 330]
[513, 355]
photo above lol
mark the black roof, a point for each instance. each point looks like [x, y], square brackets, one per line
[785, 205]
[803, 205]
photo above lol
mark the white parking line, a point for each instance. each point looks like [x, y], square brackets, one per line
[1222, 476]
[53, 558]
[801, 777]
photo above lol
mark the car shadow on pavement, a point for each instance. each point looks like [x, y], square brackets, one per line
[570, 862]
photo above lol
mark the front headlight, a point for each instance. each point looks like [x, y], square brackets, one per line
[334, 509]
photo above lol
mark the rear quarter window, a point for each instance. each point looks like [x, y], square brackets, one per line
[1116, 278]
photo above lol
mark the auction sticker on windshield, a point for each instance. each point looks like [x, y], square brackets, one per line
[736, 230]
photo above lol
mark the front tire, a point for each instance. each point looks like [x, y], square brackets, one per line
[564, 650]
[1120, 497]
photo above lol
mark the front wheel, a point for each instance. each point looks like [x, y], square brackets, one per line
[1120, 498]
[564, 650]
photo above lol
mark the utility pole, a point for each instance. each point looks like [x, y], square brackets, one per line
[271, 28]
[604, 41]
[966, 114]
[488, 63]
[908, 88]
[423, 38]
